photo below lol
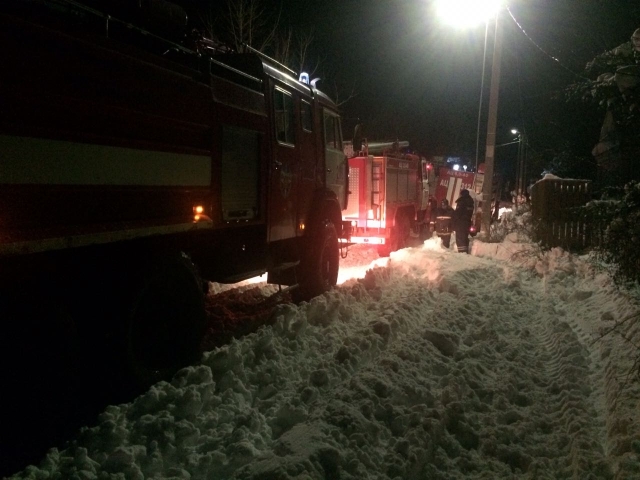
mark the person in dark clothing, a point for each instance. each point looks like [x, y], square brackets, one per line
[462, 220]
[443, 218]
[430, 213]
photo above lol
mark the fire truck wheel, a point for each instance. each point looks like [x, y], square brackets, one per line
[404, 231]
[319, 268]
[166, 321]
[391, 245]
[398, 238]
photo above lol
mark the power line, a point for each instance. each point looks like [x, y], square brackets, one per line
[555, 59]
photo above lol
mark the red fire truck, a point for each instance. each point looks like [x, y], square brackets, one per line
[389, 194]
[136, 160]
[451, 181]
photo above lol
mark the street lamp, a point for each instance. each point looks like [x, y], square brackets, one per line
[467, 13]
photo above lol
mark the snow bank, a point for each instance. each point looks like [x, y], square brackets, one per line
[435, 365]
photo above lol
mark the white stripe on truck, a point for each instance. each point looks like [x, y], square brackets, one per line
[39, 161]
[73, 241]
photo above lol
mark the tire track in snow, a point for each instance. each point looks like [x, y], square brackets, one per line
[497, 394]
[575, 301]
[559, 365]
[561, 400]
[569, 403]
[543, 424]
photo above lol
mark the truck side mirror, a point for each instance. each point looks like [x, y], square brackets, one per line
[357, 138]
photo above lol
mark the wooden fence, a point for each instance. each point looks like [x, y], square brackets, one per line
[557, 221]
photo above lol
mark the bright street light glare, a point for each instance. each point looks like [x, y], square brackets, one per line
[467, 13]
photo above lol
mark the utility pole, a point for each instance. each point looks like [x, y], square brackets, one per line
[484, 63]
[487, 186]
[519, 171]
[521, 168]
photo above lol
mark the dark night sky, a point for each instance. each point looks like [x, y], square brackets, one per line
[419, 80]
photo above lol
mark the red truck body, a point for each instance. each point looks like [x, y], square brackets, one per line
[121, 149]
[388, 195]
[450, 182]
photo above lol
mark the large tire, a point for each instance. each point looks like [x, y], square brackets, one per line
[166, 321]
[391, 245]
[319, 265]
[399, 237]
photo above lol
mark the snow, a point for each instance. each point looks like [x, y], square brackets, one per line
[427, 365]
[550, 176]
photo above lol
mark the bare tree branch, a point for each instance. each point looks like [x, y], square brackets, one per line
[248, 23]
[337, 94]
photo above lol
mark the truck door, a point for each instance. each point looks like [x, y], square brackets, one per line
[309, 158]
[335, 160]
[284, 169]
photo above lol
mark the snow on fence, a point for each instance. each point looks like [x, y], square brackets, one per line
[557, 220]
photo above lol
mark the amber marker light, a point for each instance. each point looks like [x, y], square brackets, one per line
[197, 212]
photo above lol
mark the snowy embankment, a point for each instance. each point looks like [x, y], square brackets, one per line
[437, 365]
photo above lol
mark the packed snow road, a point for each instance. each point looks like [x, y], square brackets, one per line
[438, 365]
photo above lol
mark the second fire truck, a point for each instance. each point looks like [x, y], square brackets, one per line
[391, 194]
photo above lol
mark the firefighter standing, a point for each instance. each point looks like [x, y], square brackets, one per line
[444, 217]
[462, 220]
